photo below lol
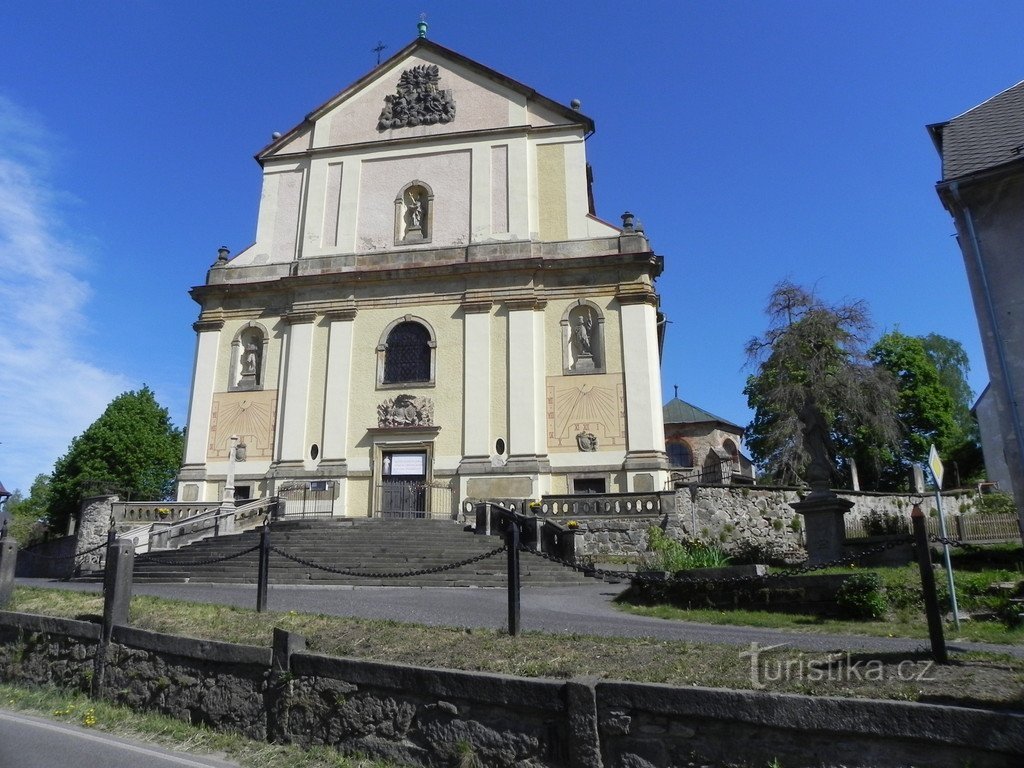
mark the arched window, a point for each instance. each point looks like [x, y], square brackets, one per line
[730, 447]
[679, 455]
[406, 353]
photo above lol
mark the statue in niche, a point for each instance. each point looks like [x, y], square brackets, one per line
[587, 441]
[250, 359]
[415, 207]
[581, 341]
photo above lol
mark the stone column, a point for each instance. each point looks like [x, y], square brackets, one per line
[645, 427]
[201, 399]
[295, 395]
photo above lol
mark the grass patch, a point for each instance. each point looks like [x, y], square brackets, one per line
[981, 680]
[901, 614]
[76, 709]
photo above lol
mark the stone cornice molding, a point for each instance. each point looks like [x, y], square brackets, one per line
[534, 303]
[636, 294]
[476, 306]
[201, 326]
[341, 315]
[298, 317]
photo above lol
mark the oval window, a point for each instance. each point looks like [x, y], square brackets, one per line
[314, 451]
[499, 447]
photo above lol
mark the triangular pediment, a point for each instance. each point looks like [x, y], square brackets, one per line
[422, 91]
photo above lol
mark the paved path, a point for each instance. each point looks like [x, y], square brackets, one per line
[32, 742]
[584, 609]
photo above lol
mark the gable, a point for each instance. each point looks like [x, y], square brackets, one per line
[474, 97]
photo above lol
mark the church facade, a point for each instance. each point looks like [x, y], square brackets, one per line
[431, 311]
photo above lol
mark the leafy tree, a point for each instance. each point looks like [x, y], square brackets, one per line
[132, 449]
[933, 409]
[814, 388]
[25, 512]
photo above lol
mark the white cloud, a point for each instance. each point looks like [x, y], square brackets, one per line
[49, 389]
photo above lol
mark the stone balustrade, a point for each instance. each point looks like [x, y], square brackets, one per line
[159, 511]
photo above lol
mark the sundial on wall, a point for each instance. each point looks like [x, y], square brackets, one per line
[593, 406]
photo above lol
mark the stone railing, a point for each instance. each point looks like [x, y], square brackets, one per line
[605, 504]
[159, 511]
[218, 521]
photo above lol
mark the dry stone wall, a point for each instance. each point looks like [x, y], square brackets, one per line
[741, 517]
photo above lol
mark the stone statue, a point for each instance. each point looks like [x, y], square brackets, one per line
[250, 359]
[406, 411]
[415, 206]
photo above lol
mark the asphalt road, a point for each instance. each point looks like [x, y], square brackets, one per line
[31, 742]
[584, 609]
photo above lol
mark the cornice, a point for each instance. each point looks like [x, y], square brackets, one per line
[199, 326]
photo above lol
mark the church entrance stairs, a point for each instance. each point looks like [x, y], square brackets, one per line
[361, 545]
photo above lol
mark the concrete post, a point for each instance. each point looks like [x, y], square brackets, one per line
[8, 561]
[117, 585]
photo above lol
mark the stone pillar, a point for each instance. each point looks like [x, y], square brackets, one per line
[824, 527]
[295, 394]
[527, 443]
[476, 417]
[339, 386]
[117, 585]
[200, 403]
[94, 522]
[645, 425]
[8, 562]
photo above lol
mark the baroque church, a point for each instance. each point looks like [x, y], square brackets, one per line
[432, 310]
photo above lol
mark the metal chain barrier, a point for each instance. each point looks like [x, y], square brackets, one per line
[955, 543]
[56, 558]
[588, 568]
[387, 574]
[153, 558]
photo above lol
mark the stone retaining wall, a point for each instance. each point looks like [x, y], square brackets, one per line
[435, 717]
[740, 517]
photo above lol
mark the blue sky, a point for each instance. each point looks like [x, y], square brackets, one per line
[756, 141]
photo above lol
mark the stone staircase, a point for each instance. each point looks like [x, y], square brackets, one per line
[363, 545]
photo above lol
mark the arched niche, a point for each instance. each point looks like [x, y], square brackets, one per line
[406, 354]
[414, 213]
[249, 357]
[582, 334]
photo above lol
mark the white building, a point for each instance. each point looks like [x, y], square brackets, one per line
[430, 304]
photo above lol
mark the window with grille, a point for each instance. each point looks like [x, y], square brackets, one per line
[407, 357]
[679, 455]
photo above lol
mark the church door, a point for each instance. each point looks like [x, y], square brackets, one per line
[403, 484]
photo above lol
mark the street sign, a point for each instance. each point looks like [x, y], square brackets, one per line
[935, 465]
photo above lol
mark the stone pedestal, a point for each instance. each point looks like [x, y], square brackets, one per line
[823, 525]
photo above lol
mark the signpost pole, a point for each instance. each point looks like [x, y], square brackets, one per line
[935, 465]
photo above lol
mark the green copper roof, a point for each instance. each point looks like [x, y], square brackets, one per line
[677, 411]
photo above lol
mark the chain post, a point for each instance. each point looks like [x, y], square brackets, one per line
[111, 530]
[512, 545]
[264, 569]
[931, 599]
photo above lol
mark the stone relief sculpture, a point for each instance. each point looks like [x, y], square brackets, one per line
[587, 441]
[406, 411]
[418, 100]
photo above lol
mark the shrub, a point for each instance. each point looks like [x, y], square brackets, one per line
[996, 503]
[672, 555]
[861, 597]
[885, 524]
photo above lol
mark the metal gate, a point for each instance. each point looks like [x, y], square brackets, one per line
[413, 499]
[309, 499]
